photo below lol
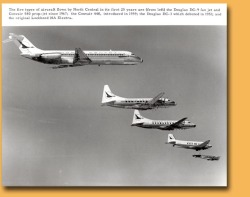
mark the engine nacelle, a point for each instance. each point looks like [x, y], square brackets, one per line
[30, 55]
[51, 56]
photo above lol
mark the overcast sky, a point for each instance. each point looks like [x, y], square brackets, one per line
[55, 132]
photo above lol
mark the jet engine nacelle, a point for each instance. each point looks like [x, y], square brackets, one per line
[30, 55]
[51, 56]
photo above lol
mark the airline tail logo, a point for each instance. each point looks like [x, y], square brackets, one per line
[21, 41]
[107, 95]
[22, 45]
[137, 117]
[171, 138]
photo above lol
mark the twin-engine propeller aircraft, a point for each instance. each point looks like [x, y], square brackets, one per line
[188, 144]
[78, 57]
[140, 121]
[207, 157]
[110, 99]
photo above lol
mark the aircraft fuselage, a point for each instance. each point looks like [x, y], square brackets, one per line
[189, 144]
[207, 157]
[162, 124]
[63, 57]
[140, 103]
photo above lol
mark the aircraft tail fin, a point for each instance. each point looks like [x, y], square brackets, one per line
[107, 95]
[20, 40]
[171, 138]
[137, 118]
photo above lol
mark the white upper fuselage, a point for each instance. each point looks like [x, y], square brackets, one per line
[66, 57]
[188, 144]
[139, 103]
[71, 58]
[112, 100]
[163, 124]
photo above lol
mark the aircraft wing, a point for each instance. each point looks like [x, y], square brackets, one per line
[174, 125]
[155, 99]
[80, 57]
[202, 145]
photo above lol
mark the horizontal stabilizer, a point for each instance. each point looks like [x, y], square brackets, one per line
[7, 40]
[20, 40]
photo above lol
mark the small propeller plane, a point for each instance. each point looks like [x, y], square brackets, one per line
[207, 157]
[140, 121]
[72, 58]
[112, 100]
[188, 144]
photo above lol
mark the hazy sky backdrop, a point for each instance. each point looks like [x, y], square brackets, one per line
[55, 132]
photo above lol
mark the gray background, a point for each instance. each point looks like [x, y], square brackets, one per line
[55, 132]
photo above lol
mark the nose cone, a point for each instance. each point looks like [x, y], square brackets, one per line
[194, 125]
[138, 59]
[173, 103]
[208, 146]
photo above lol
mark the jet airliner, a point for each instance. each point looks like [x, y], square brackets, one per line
[70, 58]
[188, 144]
[140, 121]
[112, 100]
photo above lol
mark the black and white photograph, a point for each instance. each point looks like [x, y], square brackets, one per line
[114, 106]
[127, 95]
